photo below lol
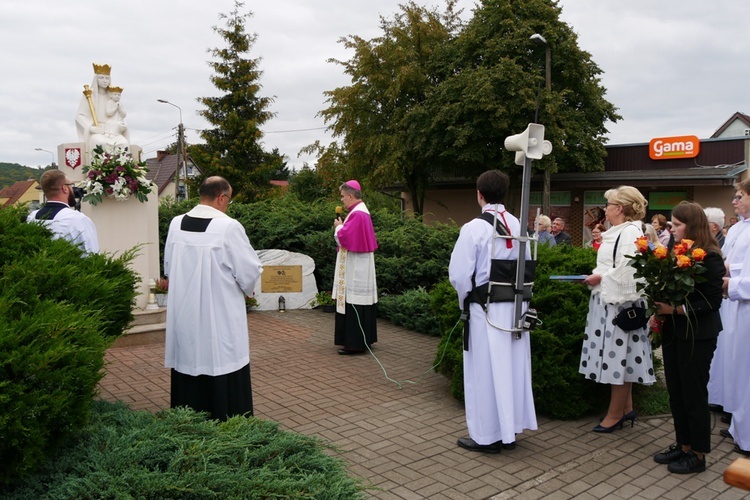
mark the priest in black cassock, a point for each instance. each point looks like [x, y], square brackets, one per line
[211, 267]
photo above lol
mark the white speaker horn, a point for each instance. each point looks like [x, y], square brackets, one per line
[530, 142]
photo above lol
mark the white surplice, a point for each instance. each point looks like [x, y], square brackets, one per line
[354, 280]
[497, 367]
[209, 274]
[71, 225]
[722, 388]
[735, 356]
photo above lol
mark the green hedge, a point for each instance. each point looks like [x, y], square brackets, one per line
[410, 254]
[179, 454]
[59, 310]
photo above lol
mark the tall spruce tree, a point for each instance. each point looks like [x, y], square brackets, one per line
[233, 148]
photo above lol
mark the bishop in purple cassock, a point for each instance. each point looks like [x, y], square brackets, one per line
[354, 286]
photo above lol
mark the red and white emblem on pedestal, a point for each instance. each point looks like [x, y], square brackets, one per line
[73, 157]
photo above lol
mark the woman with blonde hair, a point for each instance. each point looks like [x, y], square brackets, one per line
[650, 232]
[545, 236]
[611, 355]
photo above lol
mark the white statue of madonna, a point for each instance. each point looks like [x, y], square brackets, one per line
[96, 123]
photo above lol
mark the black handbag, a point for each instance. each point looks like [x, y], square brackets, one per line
[633, 317]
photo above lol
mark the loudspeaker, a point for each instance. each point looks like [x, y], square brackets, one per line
[530, 142]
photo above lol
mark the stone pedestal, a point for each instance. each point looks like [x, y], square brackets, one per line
[122, 225]
[294, 300]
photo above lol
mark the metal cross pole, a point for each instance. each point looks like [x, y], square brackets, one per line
[528, 145]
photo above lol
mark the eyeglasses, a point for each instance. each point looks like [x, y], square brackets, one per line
[614, 204]
[737, 198]
[228, 198]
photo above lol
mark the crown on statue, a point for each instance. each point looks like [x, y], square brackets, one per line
[102, 69]
[115, 90]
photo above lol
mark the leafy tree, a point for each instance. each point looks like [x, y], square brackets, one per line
[10, 173]
[493, 87]
[392, 76]
[233, 148]
[433, 97]
[280, 171]
[307, 185]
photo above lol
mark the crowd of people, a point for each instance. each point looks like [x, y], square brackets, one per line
[212, 266]
[703, 348]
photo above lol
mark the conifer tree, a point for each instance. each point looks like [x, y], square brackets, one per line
[233, 147]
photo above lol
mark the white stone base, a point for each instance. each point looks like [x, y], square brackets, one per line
[294, 300]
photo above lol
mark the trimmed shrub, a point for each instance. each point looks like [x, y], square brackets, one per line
[59, 310]
[179, 454]
[412, 310]
[410, 254]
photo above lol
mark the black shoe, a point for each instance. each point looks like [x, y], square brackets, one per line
[726, 433]
[672, 454]
[716, 408]
[600, 428]
[509, 446]
[351, 351]
[471, 445]
[727, 418]
[741, 451]
[688, 464]
[630, 416]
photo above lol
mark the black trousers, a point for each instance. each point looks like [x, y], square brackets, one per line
[686, 366]
[222, 396]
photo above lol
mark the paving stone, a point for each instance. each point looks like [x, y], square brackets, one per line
[403, 441]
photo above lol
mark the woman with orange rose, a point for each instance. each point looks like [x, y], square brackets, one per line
[689, 332]
[611, 355]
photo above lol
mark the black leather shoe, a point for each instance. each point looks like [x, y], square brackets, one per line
[688, 464]
[727, 418]
[726, 433]
[672, 454]
[741, 451]
[509, 446]
[471, 445]
[350, 351]
[716, 408]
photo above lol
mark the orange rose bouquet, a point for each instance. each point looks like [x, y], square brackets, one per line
[669, 276]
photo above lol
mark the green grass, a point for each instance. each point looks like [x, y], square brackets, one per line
[181, 454]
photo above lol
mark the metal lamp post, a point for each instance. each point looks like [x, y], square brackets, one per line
[51, 154]
[537, 38]
[181, 150]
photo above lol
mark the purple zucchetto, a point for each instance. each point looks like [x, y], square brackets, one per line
[353, 184]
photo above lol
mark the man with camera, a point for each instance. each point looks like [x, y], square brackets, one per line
[60, 217]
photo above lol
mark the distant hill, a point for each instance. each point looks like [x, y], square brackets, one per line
[11, 173]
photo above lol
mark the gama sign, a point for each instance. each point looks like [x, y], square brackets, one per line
[671, 148]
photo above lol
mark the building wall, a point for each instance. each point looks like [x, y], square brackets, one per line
[31, 194]
[720, 197]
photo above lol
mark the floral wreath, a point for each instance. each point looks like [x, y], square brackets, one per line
[116, 174]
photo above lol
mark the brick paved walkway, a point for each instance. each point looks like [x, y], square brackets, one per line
[403, 441]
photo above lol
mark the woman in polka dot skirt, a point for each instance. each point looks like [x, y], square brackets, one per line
[689, 334]
[609, 354]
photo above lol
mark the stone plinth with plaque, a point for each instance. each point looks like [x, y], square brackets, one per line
[285, 274]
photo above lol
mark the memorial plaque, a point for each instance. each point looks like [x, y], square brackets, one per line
[281, 279]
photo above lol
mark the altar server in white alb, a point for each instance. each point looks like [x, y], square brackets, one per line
[735, 310]
[59, 216]
[497, 365]
[211, 267]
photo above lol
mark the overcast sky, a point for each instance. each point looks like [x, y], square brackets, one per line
[671, 67]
